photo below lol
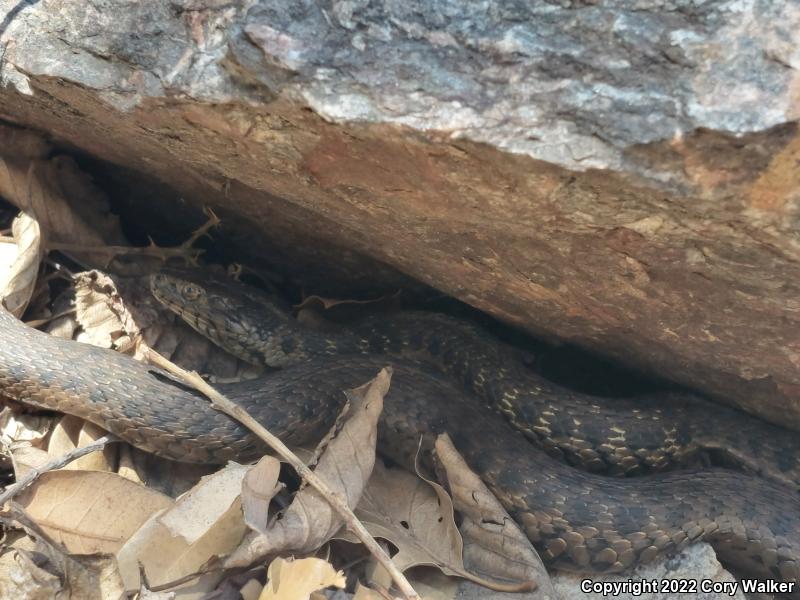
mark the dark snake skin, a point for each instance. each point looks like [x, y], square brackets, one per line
[614, 436]
[578, 521]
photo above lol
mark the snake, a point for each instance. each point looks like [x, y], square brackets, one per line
[577, 519]
[614, 436]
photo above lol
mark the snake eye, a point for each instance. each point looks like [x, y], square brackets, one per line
[191, 291]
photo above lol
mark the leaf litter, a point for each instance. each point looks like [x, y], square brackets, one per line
[124, 522]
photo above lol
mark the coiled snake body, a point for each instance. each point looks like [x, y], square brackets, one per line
[578, 520]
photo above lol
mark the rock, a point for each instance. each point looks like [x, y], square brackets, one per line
[695, 566]
[615, 176]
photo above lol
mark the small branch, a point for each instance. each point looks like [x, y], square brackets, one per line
[231, 409]
[58, 463]
[213, 221]
[114, 251]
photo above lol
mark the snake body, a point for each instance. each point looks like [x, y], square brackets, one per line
[614, 436]
[578, 520]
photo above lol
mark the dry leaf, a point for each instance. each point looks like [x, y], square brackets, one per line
[36, 569]
[259, 487]
[18, 428]
[26, 458]
[166, 476]
[71, 433]
[101, 313]
[251, 590]
[19, 266]
[298, 579]
[66, 434]
[494, 545]
[63, 200]
[203, 523]
[365, 593]
[90, 511]
[345, 466]
[414, 516]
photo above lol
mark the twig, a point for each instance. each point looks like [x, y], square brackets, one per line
[58, 463]
[113, 251]
[213, 221]
[336, 501]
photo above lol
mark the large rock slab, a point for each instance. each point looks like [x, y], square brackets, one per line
[623, 177]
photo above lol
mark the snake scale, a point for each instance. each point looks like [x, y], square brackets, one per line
[577, 519]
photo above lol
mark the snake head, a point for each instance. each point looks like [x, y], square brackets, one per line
[248, 323]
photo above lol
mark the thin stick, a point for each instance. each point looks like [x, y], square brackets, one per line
[336, 501]
[213, 221]
[58, 463]
[112, 251]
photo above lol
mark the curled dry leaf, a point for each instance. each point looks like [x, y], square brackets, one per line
[19, 264]
[22, 437]
[101, 313]
[203, 523]
[494, 545]
[289, 579]
[23, 428]
[259, 487]
[90, 511]
[345, 466]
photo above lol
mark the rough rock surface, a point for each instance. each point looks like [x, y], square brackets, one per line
[618, 175]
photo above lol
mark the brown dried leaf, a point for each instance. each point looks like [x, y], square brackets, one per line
[22, 438]
[166, 476]
[365, 593]
[44, 562]
[494, 545]
[19, 264]
[101, 313]
[289, 579]
[26, 458]
[67, 206]
[203, 523]
[71, 433]
[415, 516]
[37, 570]
[259, 487]
[90, 511]
[345, 466]
[23, 428]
